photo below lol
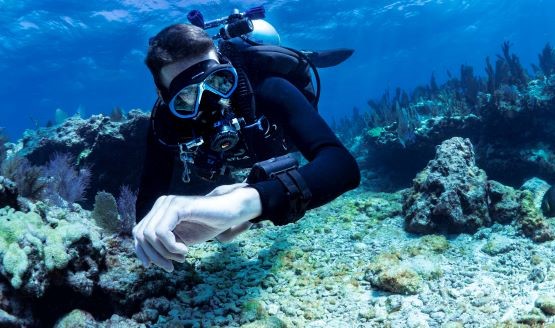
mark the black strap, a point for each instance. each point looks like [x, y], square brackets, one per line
[297, 191]
[284, 169]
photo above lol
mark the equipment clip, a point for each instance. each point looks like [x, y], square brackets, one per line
[186, 152]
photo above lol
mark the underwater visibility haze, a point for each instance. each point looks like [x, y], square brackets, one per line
[67, 54]
[448, 107]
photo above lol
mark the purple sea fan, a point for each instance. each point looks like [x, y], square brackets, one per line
[29, 179]
[65, 181]
[126, 208]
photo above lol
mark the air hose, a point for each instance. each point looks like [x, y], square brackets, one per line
[245, 94]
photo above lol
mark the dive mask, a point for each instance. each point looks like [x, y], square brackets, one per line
[186, 89]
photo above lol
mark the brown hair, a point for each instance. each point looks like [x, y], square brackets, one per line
[175, 42]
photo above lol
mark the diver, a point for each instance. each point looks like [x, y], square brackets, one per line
[211, 118]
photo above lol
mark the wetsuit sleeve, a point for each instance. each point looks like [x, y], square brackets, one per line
[331, 170]
[156, 176]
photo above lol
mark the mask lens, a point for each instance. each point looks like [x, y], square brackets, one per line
[222, 81]
[184, 101]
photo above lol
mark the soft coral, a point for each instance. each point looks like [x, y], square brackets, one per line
[65, 181]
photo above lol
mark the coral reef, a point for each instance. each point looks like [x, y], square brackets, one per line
[40, 252]
[92, 143]
[508, 116]
[348, 261]
[29, 179]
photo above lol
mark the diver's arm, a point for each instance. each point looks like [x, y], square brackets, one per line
[331, 170]
[156, 175]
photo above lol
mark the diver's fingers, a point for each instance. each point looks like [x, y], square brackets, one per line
[154, 228]
[168, 240]
[140, 227]
[177, 253]
[157, 259]
[178, 257]
[141, 254]
[233, 232]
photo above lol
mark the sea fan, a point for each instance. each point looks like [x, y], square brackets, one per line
[126, 208]
[64, 181]
[29, 179]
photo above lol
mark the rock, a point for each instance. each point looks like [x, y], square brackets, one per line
[252, 310]
[536, 275]
[8, 193]
[14, 309]
[35, 254]
[270, 322]
[396, 164]
[498, 245]
[504, 202]
[523, 207]
[538, 188]
[454, 324]
[203, 293]
[387, 273]
[121, 322]
[531, 220]
[129, 284]
[450, 193]
[8, 320]
[534, 318]
[546, 304]
[77, 319]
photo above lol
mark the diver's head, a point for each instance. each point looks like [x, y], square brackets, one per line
[188, 71]
[174, 43]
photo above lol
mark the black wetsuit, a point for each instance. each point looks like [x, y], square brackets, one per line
[331, 170]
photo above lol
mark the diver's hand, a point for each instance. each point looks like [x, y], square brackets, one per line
[234, 231]
[222, 214]
[224, 189]
[177, 221]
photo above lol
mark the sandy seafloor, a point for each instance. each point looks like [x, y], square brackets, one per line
[316, 273]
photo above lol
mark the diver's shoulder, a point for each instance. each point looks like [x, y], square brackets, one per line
[274, 88]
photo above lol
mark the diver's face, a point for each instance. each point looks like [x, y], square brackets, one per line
[187, 97]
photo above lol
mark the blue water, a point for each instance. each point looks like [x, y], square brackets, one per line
[89, 54]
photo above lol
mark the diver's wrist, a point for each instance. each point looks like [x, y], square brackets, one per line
[250, 205]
